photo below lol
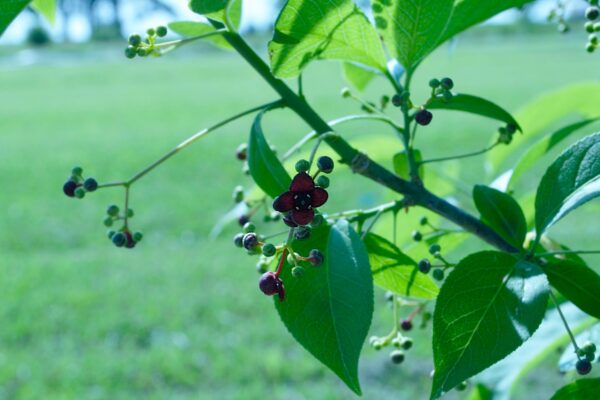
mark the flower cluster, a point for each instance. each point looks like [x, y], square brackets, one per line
[77, 186]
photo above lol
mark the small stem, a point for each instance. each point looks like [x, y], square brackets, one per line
[126, 211]
[554, 253]
[475, 153]
[393, 81]
[362, 215]
[195, 137]
[181, 42]
[300, 87]
[372, 223]
[564, 321]
[111, 184]
[281, 261]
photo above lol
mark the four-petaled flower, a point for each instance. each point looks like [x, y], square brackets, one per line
[301, 200]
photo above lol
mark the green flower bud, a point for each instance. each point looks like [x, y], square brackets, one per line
[249, 227]
[592, 13]
[151, 32]
[345, 93]
[269, 250]
[110, 234]
[130, 52]
[142, 52]
[135, 40]
[462, 386]
[90, 185]
[138, 236]
[238, 194]
[297, 271]
[590, 47]
[593, 39]
[302, 166]
[434, 83]
[397, 357]
[417, 236]
[323, 181]
[317, 220]
[423, 221]
[435, 248]
[407, 343]
[119, 239]
[290, 259]
[589, 27]
[438, 274]
[597, 27]
[113, 210]
[238, 240]
[108, 222]
[77, 171]
[447, 83]
[130, 213]
[589, 348]
[79, 193]
[161, 31]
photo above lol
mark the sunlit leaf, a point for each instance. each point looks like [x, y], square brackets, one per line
[473, 105]
[9, 9]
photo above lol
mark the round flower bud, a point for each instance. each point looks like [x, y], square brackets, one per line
[119, 239]
[161, 31]
[69, 188]
[315, 257]
[108, 222]
[397, 100]
[589, 27]
[243, 220]
[138, 236]
[583, 367]
[593, 39]
[397, 357]
[424, 266]
[151, 32]
[142, 52]
[130, 213]
[90, 184]
[417, 236]
[597, 27]
[322, 181]
[241, 152]
[438, 274]
[407, 343]
[302, 233]
[345, 93]
[261, 267]
[317, 220]
[462, 386]
[297, 271]
[269, 250]
[447, 95]
[250, 241]
[396, 342]
[588, 347]
[249, 227]
[110, 234]
[590, 47]
[135, 40]
[423, 117]
[563, 28]
[406, 325]
[592, 13]
[447, 83]
[130, 52]
[113, 210]
[238, 240]
[238, 194]
[302, 166]
[79, 192]
[325, 164]
[434, 83]
[269, 283]
[76, 171]
[423, 221]
[434, 248]
[291, 259]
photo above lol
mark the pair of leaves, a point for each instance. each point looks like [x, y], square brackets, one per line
[329, 309]
[474, 105]
[502, 213]
[412, 29]
[395, 271]
[489, 305]
[307, 30]
[265, 168]
[571, 181]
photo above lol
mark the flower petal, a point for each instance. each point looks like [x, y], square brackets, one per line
[284, 202]
[319, 197]
[303, 217]
[302, 183]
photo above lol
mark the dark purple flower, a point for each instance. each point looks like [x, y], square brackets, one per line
[301, 200]
[270, 284]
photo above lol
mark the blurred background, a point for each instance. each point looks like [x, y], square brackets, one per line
[180, 316]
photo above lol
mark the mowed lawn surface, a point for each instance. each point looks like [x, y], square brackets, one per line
[180, 316]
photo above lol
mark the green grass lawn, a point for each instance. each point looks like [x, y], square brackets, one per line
[180, 316]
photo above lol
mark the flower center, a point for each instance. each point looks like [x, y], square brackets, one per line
[302, 201]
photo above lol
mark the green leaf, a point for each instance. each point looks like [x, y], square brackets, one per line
[359, 77]
[473, 105]
[329, 309]
[47, 8]
[401, 164]
[571, 181]
[480, 392]
[581, 99]
[411, 29]
[308, 30]
[577, 282]
[9, 9]
[489, 305]
[217, 10]
[467, 13]
[395, 271]
[189, 29]
[582, 389]
[542, 147]
[265, 167]
[502, 213]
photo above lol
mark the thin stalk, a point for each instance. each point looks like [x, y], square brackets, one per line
[564, 321]
[181, 42]
[126, 211]
[194, 138]
[372, 223]
[473, 154]
[555, 253]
